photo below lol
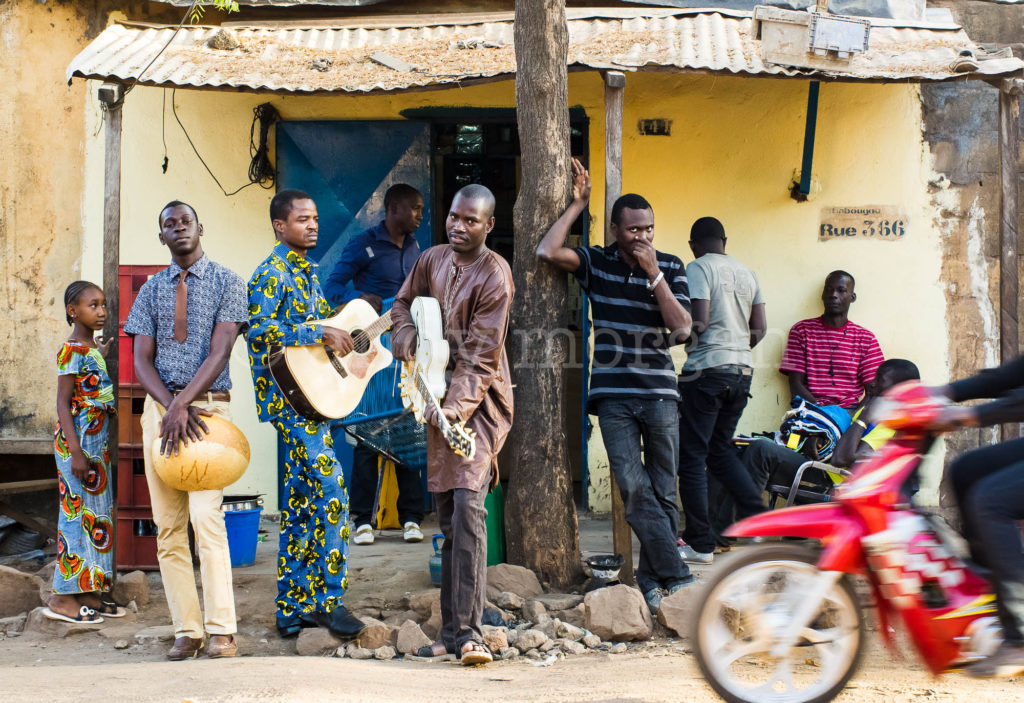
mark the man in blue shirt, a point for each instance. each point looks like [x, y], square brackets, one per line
[377, 262]
[284, 293]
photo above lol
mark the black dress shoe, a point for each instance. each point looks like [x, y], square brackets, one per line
[342, 624]
[290, 625]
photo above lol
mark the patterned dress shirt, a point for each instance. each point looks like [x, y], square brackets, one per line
[283, 294]
[215, 294]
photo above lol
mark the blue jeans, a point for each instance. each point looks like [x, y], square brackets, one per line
[989, 488]
[709, 409]
[647, 483]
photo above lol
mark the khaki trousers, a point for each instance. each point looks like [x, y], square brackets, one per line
[172, 510]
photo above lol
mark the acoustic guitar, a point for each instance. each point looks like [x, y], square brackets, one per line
[319, 384]
[423, 380]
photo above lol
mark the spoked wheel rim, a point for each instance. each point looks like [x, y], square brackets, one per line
[748, 608]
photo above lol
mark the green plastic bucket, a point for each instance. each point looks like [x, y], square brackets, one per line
[495, 505]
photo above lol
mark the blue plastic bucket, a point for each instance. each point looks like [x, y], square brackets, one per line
[243, 533]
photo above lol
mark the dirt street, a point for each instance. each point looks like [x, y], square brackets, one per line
[37, 667]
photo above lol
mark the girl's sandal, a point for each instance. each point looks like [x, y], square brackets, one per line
[86, 616]
[474, 653]
[110, 609]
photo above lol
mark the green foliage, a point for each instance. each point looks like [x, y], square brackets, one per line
[196, 11]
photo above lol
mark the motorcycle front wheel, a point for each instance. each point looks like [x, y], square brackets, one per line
[746, 607]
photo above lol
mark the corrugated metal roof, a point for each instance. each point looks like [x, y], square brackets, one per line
[281, 59]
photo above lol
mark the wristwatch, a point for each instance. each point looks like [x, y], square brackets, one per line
[651, 285]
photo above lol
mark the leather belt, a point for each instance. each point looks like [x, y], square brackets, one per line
[211, 396]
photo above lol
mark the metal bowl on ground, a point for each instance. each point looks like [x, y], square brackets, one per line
[605, 566]
[242, 502]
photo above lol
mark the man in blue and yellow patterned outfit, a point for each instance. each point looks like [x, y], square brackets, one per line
[312, 561]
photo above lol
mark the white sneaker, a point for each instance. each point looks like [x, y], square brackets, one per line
[363, 535]
[412, 532]
[692, 556]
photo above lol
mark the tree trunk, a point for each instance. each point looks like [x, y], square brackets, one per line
[541, 529]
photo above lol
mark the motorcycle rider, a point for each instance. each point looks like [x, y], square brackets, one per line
[989, 488]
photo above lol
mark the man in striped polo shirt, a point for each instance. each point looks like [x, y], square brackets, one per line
[640, 308]
[830, 360]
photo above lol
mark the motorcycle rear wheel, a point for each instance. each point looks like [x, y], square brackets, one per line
[748, 602]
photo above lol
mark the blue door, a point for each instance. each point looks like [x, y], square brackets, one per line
[347, 167]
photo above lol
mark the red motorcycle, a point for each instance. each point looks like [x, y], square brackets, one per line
[782, 621]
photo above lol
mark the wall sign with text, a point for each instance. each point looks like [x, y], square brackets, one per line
[887, 222]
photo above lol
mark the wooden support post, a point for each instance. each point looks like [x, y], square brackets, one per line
[1009, 331]
[614, 89]
[111, 96]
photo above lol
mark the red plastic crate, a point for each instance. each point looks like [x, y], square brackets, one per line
[132, 487]
[130, 279]
[135, 551]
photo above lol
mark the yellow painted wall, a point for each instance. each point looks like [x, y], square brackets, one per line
[42, 247]
[734, 146]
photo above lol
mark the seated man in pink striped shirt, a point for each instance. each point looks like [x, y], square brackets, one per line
[830, 360]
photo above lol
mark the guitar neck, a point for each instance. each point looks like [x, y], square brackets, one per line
[429, 398]
[381, 324]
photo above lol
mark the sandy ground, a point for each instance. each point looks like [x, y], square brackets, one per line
[34, 667]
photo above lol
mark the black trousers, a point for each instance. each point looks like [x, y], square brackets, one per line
[709, 409]
[364, 489]
[989, 488]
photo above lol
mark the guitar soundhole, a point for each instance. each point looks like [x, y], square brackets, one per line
[360, 341]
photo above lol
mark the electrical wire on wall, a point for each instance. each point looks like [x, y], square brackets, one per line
[261, 171]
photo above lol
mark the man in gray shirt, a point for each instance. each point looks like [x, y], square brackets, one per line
[728, 321]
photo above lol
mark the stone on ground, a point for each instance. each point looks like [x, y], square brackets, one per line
[155, 634]
[592, 641]
[675, 611]
[516, 579]
[570, 632]
[14, 624]
[618, 613]
[411, 638]
[533, 609]
[571, 647]
[574, 616]
[316, 642]
[432, 627]
[496, 638]
[507, 600]
[384, 653]
[530, 639]
[619, 648]
[132, 586]
[354, 651]
[509, 653]
[19, 593]
[376, 634]
[423, 601]
[559, 601]
[397, 617]
[549, 627]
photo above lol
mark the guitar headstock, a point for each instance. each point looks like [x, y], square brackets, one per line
[461, 440]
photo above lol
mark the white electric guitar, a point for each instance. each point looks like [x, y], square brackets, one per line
[423, 378]
[318, 383]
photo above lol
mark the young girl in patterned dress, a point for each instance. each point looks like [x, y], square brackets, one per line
[85, 399]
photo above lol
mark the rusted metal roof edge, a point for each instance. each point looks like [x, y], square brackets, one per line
[449, 82]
